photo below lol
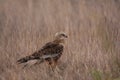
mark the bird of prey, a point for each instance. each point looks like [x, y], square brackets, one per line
[49, 53]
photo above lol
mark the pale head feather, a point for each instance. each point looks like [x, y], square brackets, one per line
[60, 37]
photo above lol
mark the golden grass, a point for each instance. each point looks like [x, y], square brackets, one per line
[91, 51]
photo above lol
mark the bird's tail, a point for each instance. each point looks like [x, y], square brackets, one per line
[25, 59]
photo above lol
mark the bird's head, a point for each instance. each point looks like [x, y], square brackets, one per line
[60, 37]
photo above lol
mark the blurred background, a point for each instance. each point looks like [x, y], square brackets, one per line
[92, 51]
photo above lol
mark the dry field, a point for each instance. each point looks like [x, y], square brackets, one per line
[92, 51]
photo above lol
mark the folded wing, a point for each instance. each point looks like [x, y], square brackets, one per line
[50, 50]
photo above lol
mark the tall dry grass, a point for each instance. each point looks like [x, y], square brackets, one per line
[92, 51]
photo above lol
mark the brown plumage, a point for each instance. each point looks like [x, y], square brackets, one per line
[50, 52]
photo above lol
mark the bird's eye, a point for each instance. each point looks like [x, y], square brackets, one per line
[63, 34]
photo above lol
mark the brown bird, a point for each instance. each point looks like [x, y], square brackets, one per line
[49, 53]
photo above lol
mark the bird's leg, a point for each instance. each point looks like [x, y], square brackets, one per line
[52, 65]
[50, 68]
[49, 63]
[56, 67]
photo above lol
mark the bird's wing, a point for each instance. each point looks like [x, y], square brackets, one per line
[49, 50]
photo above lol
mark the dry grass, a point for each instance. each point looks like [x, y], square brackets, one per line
[92, 51]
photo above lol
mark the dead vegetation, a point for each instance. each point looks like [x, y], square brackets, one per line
[92, 51]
